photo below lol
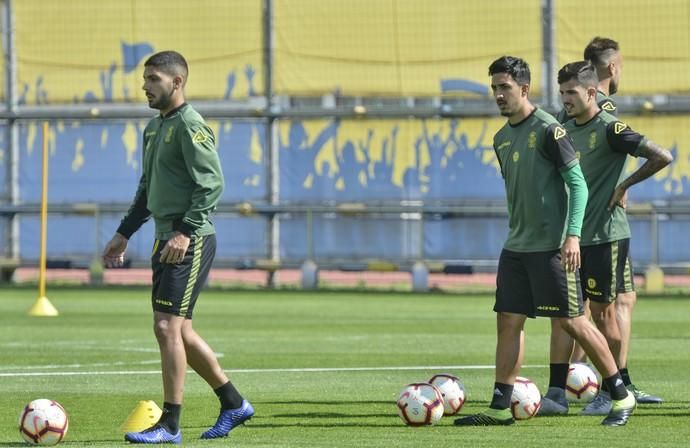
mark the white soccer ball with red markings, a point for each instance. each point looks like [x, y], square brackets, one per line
[582, 384]
[526, 399]
[43, 422]
[420, 404]
[452, 391]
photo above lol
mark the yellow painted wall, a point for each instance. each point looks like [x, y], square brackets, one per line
[399, 47]
[64, 47]
[68, 50]
[654, 37]
[672, 132]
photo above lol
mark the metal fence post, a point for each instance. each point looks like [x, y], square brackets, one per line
[12, 234]
[550, 98]
[273, 232]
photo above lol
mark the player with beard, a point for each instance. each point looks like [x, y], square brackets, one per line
[180, 186]
[604, 144]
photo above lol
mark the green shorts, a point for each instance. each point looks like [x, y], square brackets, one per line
[536, 284]
[177, 286]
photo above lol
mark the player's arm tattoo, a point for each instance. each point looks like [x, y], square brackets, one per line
[657, 158]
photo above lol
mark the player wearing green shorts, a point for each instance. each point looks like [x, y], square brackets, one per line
[538, 267]
[603, 143]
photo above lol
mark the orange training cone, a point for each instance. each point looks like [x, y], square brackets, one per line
[145, 415]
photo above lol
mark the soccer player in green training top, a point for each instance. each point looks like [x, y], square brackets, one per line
[180, 186]
[538, 267]
[605, 55]
[604, 144]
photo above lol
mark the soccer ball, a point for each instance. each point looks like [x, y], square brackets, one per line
[420, 404]
[582, 384]
[526, 399]
[43, 422]
[451, 390]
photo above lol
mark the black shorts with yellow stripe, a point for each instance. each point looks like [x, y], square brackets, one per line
[177, 286]
[606, 271]
[536, 284]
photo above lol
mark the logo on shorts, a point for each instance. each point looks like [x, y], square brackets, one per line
[163, 302]
[591, 283]
[516, 156]
[548, 308]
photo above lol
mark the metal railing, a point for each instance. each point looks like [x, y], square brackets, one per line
[416, 211]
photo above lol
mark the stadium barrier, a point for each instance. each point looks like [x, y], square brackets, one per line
[310, 265]
[7, 268]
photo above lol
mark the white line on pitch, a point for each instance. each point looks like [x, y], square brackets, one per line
[294, 370]
[78, 366]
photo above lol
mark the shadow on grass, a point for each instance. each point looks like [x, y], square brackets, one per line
[330, 403]
[310, 420]
[345, 402]
[323, 425]
[329, 415]
[71, 441]
[685, 414]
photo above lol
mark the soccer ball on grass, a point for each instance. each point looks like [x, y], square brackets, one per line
[526, 399]
[420, 404]
[452, 391]
[43, 422]
[582, 384]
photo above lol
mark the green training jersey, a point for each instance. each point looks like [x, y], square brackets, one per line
[604, 102]
[603, 145]
[532, 155]
[181, 181]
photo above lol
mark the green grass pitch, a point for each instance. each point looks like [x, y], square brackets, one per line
[322, 369]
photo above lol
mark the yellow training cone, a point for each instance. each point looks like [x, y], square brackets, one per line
[145, 415]
[43, 307]
[654, 280]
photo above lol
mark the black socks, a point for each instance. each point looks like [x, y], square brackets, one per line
[615, 386]
[170, 419]
[228, 396]
[558, 375]
[626, 376]
[501, 397]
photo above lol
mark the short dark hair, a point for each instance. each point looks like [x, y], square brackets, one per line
[515, 67]
[582, 71]
[600, 50]
[170, 62]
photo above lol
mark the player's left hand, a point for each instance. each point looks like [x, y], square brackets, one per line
[570, 253]
[175, 248]
[619, 198]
